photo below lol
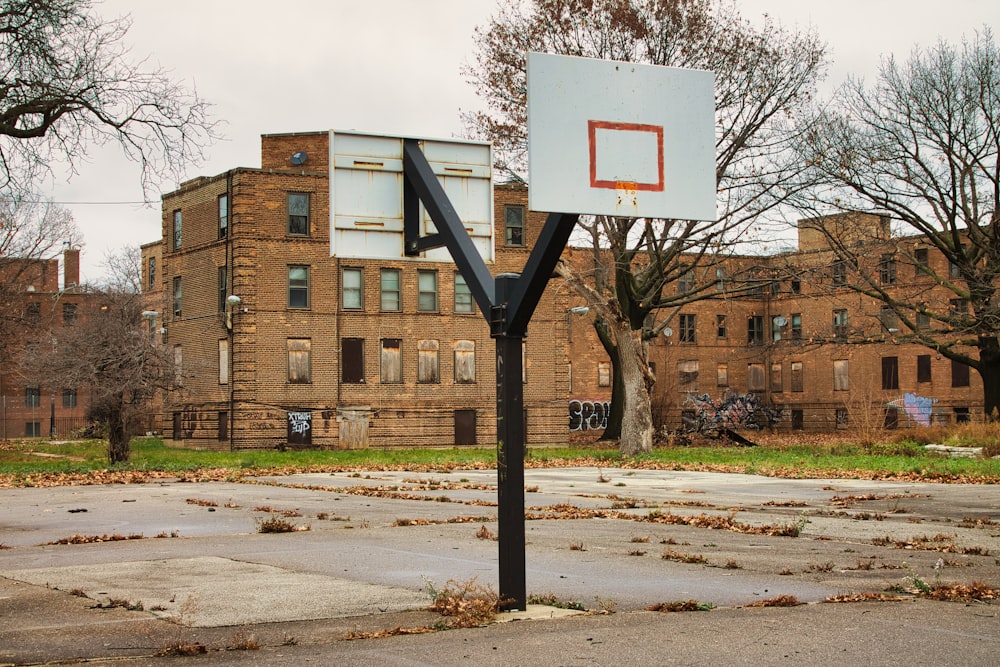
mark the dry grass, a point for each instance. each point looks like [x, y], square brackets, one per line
[274, 524]
[466, 604]
[778, 601]
[681, 605]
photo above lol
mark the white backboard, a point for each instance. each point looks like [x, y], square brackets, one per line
[366, 194]
[617, 138]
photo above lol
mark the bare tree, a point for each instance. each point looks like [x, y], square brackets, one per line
[67, 83]
[762, 76]
[922, 147]
[109, 351]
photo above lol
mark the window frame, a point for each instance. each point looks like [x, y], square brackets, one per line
[510, 229]
[69, 398]
[151, 272]
[223, 209]
[33, 396]
[345, 289]
[721, 329]
[298, 360]
[756, 378]
[429, 361]
[353, 349]
[887, 269]
[390, 365]
[384, 292]
[890, 373]
[755, 330]
[297, 288]
[841, 375]
[294, 229]
[177, 230]
[423, 293]
[223, 277]
[924, 373]
[467, 303]
[797, 376]
[178, 296]
[840, 323]
[464, 360]
[688, 328]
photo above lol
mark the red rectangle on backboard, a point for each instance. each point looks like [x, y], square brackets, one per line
[625, 183]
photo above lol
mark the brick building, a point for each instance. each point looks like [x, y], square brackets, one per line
[279, 343]
[37, 302]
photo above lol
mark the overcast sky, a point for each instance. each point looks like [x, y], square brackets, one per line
[390, 67]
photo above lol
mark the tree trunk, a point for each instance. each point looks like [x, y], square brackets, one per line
[118, 439]
[637, 421]
[613, 430]
[989, 371]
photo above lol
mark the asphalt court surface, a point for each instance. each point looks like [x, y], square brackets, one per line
[378, 542]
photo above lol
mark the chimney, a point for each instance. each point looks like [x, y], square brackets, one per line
[71, 266]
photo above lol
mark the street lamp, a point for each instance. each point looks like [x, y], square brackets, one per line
[232, 303]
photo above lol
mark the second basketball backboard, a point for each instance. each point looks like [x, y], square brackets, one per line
[617, 138]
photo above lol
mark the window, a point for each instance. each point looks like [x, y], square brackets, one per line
[352, 360]
[889, 319]
[298, 214]
[776, 376]
[923, 368]
[722, 375]
[223, 361]
[890, 372]
[178, 365]
[961, 415]
[152, 273]
[959, 374]
[839, 272]
[798, 420]
[463, 296]
[465, 361]
[223, 216]
[958, 307]
[298, 286]
[428, 366]
[755, 377]
[32, 429]
[390, 362]
[920, 262]
[69, 314]
[389, 286]
[687, 374]
[796, 286]
[223, 287]
[32, 397]
[755, 330]
[427, 292]
[720, 280]
[178, 237]
[685, 279]
[513, 225]
[223, 430]
[955, 270]
[603, 374]
[687, 332]
[351, 289]
[777, 322]
[841, 375]
[887, 269]
[796, 368]
[720, 326]
[299, 360]
[923, 321]
[840, 417]
[178, 292]
[796, 320]
[840, 322]
[34, 314]
[69, 398]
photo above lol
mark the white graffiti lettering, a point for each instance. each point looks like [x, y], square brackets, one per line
[588, 415]
[299, 422]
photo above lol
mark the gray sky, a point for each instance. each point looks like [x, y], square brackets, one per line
[390, 67]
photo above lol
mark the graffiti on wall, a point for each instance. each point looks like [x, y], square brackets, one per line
[299, 428]
[733, 411]
[918, 409]
[588, 415]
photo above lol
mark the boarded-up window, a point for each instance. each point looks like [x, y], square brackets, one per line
[465, 361]
[178, 365]
[223, 361]
[797, 376]
[465, 427]
[300, 428]
[223, 434]
[890, 372]
[603, 374]
[755, 377]
[687, 374]
[352, 360]
[299, 360]
[798, 421]
[959, 374]
[841, 376]
[776, 377]
[428, 366]
[722, 375]
[923, 368]
[391, 362]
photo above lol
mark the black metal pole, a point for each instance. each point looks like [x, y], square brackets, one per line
[510, 461]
